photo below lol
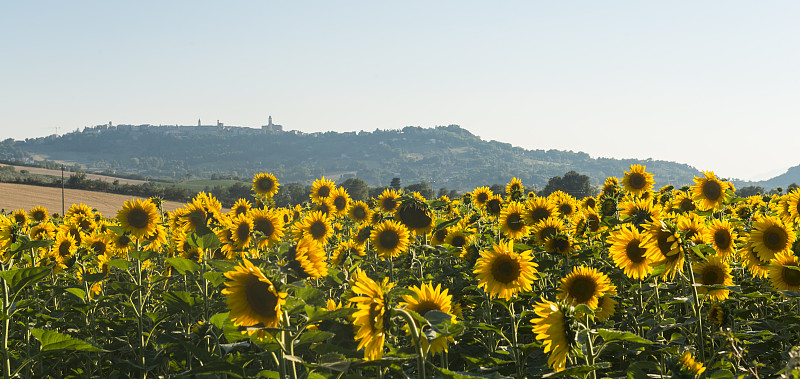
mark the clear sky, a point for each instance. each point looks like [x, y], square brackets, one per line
[714, 84]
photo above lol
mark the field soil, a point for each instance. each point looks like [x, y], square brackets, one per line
[45, 171]
[23, 196]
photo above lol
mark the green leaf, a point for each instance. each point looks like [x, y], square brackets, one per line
[443, 323]
[121, 264]
[223, 266]
[330, 315]
[218, 319]
[141, 255]
[183, 265]
[81, 294]
[314, 336]
[583, 309]
[615, 335]
[720, 374]
[446, 224]
[27, 245]
[19, 278]
[578, 371]
[215, 367]
[52, 340]
[216, 278]
[179, 301]
[204, 241]
[310, 295]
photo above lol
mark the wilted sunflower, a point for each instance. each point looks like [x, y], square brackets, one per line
[585, 285]
[390, 239]
[712, 272]
[359, 211]
[512, 221]
[39, 214]
[321, 189]
[689, 364]
[340, 200]
[553, 328]
[539, 208]
[514, 189]
[241, 207]
[663, 247]
[547, 228]
[368, 320]
[415, 214]
[387, 201]
[252, 298]
[310, 256]
[637, 181]
[708, 192]
[504, 273]
[770, 236]
[481, 195]
[265, 184]
[270, 226]
[138, 217]
[784, 272]
[628, 252]
[721, 235]
[426, 298]
[314, 225]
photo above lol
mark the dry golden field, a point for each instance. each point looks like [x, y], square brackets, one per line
[22, 196]
[57, 173]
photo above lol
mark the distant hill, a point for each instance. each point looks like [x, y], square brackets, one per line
[445, 156]
[792, 175]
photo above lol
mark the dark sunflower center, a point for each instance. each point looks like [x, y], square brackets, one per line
[265, 184]
[582, 289]
[712, 274]
[687, 205]
[324, 191]
[593, 222]
[722, 239]
[38, 215]
[712, 190]
[665, 243]
[340, 203]
[19, 218]
[440, 234]
[560, 244]
[389, 239]
[547, 232]
[791, 277]
[609, 207]
[458, 241]
[123, 241]
[590, 202]
[539, 214]
[99, 247]
[505, 269]
[260, 299]
[243, 232]
[493, 206]
[359, 213]
[482, 197]
[264, 226]
[637, 181]
[63, 248]
[426, 306]
[634, 252]
[138, 218]
[317, 230]
[415, 218]
[363, 235]
[375, 313]
[240, 210]
[565, 209]
[388, 204]
[775, 238]
[514, 222]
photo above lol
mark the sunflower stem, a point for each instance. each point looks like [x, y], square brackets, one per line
[6, 330]
[590, 356]
[697, 310]
[514, 346]
[412, 327]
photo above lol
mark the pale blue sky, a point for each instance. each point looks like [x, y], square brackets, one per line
[714, 84]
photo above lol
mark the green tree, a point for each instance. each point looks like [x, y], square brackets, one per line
[573, 183]
[356, 188]
[423, 188]
[749, 191]
[395, 183]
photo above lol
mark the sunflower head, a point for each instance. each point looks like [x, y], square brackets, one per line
[512, 221]
[387, 201]
[321, 189]
[708, 192]
[20, 217]
[504, 273]
[241, 207]
[514, 189]
[415, 215]
[784, 272]
[638, 181]
[265, 184]
[585, 285]
[427, 298]
[713, 272]
[138, 217]
[538, 209]
[252, 298]
[372, 310]
[690, 365]
[340, 200]
[771, 236]
[717, 314]
[390, 239]
[359, 211]
[481, 195]
[553, 327]
[628, 252]
[39, 214]
[308, 258]
[315, 225]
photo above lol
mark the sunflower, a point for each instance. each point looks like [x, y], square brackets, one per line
[43, 231]
[390, 239]
[547, 228]
[606, 307]
[368, 320]
[682, 202]
[628, 252]
[252, 298]
[346, 250]
[20, 217]
[585, 285]
[481, 195]
[504, 273]
[241, 231]
[310, 256]
[85, 223]
[321, 189]
[662, 246]
[138, 217]
[712, 272]
[689, 364]
[265, 184]
[708, 192]
[78, 209]
[757, 267]
[792, 213]
[241, 207]
[39, 214]
[157, 238]
[784, 272]
[438, 236]
[640, 210]
[514, 189]
[387, 201]
[363, 234]
[721, 235]
[65, 246]
[415, 214]
[637, 181]
[99, 244]
[121, 243]
[593, 223]
[692, 226]
[314, 225]
[494, 206]
[359, 211]
[553, 328]
[269, 225]
[610, 186]
[717, 314]
[770, 236]
[588, 203]
[427, 298]
[539, 208]
[567, 205]
[73, 231]
[512, 221]
[608, 206]
[458, 237]
[324, 206]
[340, 200]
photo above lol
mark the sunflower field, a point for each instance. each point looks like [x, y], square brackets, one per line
[633, 282]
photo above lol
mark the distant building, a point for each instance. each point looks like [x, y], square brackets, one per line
[272, 127]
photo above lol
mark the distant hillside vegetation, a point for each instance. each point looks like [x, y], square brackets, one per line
[445, 156]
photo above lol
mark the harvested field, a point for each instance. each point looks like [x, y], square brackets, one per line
[22, 196]
[45, 171]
